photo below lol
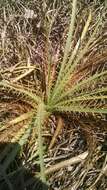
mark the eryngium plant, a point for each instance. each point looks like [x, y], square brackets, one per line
[71, 85]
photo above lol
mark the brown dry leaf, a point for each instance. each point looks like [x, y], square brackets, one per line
[59, 127]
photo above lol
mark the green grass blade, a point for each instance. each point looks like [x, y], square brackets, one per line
[20, 90]
[80, 109]
[80, 84]
[84, 98]
[40, 117]
[70, 67]
[89, 93]
[69, 39]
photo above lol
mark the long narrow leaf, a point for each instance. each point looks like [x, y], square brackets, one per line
[80, 109]
[69, 39]
[84, 98]
[21, 90]
[70, 67]
[39, 121]
[79, 85]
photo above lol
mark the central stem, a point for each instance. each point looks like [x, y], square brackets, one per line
[41, 116]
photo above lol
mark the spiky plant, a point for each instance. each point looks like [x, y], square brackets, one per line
[69, 85]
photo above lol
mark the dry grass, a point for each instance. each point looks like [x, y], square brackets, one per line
[23, 54]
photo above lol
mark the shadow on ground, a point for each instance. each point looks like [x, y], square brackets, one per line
[13, 176]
